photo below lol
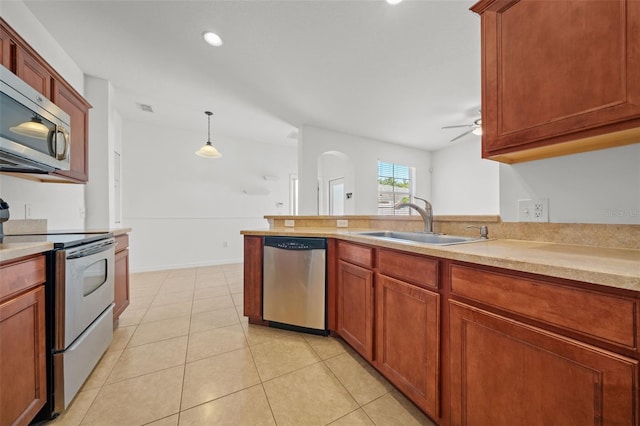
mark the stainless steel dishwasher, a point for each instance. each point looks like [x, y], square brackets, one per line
[294, 283]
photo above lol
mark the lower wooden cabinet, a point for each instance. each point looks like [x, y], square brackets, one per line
[121, 295]
[253, 278]
[355, 307]
[407, 340]
[23, 381]
[504, 372]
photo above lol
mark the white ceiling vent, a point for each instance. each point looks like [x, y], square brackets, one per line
[145, 107]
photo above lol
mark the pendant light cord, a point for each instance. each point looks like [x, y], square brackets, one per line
[209, 114]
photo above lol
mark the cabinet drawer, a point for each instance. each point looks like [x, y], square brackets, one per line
[360, 255]
[122, 242]
[21, 275]
[415, 269]
[608, 318]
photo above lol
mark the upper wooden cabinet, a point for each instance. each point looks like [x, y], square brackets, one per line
[33, 72]
[5, 50]
[20, 58]
[78, 109]
[558, 77]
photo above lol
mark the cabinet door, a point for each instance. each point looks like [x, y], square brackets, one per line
[507, 373]
[355, 307]
[407, 340]
[33, 72]
[78, 109]
[253, 278]
[557, 72]
[5, 51]
[23, 381]
[121, 296]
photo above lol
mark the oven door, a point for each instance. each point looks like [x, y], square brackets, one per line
[84, 289]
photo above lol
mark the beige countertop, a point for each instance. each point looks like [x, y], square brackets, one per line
[9, 251]
[611, 267]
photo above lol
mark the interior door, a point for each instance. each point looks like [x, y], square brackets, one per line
[336, 197]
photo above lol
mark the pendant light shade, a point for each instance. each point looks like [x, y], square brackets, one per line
[32, 128]
[208, 150]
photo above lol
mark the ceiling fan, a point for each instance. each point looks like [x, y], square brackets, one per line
[475, 128]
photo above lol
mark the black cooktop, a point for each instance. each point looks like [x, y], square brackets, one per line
[60, 241]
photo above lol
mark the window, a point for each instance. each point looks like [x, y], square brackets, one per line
[395, 185]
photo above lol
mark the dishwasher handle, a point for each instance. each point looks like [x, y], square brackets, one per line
[297, 243]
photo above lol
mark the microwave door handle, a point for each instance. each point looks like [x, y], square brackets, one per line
[51, 142]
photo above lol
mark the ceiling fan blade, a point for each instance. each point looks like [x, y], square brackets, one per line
[457, 126]
[461, 135]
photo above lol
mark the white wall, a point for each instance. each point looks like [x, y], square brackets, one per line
[183, 208]
[105, 136]
[592, 187]
[364, 153]
[63, 205]
[464, 183]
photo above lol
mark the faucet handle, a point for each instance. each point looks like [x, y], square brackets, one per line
[484, 231]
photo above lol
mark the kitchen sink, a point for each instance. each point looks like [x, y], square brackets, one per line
[422, 237]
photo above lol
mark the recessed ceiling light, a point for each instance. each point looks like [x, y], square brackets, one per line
[212, 38]
[393, 1]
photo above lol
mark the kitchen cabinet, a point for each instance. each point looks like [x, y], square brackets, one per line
[27, 64]
[253, 278]
[407, 340]
[355, 307]
[388, 297]
[528, 350]
[121, 285]
[78, 109]
[6, 50]
[23, 381]
[33, 72]
[558, 77]
[354, 304]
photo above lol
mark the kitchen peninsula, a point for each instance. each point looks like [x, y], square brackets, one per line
[464, 329]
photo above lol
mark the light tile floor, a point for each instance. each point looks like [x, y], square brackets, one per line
[183, 354]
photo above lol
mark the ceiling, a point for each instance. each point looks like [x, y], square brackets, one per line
[364, 67]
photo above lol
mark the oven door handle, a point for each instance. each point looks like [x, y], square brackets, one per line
[93, 249]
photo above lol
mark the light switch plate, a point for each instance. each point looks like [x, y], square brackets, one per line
[342, 223]
[289, 223]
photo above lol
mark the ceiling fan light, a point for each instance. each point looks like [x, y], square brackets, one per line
[478, 129]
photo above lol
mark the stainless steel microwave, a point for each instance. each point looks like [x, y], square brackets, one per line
[35, 134]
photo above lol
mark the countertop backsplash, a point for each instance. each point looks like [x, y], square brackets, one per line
[587, 234]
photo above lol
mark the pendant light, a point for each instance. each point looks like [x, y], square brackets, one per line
[208, 150]
[32, 128]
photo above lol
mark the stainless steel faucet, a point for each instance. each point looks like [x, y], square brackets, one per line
[426, 213]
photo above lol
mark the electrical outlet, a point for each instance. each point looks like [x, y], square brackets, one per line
[540, 210]
[225, 244]
[27, 211]
[342, 223]
[289, 223]
[536, 210]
